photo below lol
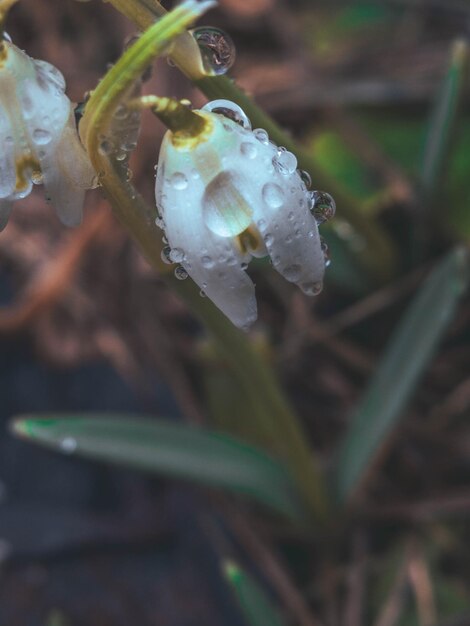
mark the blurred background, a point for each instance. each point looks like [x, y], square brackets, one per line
[377, 93]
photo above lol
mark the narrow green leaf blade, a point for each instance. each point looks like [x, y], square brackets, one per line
[170, 449]
[409, 352]
[443, 119]
[255, 606]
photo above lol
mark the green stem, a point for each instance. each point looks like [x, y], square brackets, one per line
[265, 402]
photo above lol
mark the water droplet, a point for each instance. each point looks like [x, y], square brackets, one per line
[105, 147]
[261, 225]
[68, 445]
[230, 110]
[292, 272]
[217, 49]
[231, 261]
[324, 207]
[121, 112]
[261, 135]
[195, 174]
[290, 216]
[159, 221]
[248, 150]
[207, 262]
[225, 210]
[273, 195]
[268, 239]
[285, 163]
[326, 252]
[165, 255]
[36, 177]
[202, 293]
[41, 136]
[312, 289]
[181, 273]
[244, 266]
[306, 178]
[177, 255]
[179, 181]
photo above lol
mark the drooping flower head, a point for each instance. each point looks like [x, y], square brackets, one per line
[39, 140]
[227, 194]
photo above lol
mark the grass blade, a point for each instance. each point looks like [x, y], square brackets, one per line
[169, 449]
[443, 119]
[409, 352]
[255, 606]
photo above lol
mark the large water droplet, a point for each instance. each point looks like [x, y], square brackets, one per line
[225, 210]
[230, 110]
[273, 195]
[217, 49]
[179, 181]
[292, 272]
[285, 163]
[41, 136]
[324, 207]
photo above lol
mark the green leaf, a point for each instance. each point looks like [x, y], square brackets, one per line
[443, 120]
[170, 449]
[409, 352]
[256, 607]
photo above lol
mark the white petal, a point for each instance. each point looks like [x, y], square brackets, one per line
[279, 202]
[213, 262]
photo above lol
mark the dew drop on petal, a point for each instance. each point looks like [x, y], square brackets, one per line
[268, 239]
[68, 445]
[230, 110]
[36, 177]
[324, 207]
[41, 136]
[306, 178]
[177, 255]
[292, 272]
[273, 195]
[181, 273]
[207, 262]
[179, 181]
[217, 49]
[285, 162]
[248, 150]
[312, 289]
[165, 255]
[261, 135]
[159, 221]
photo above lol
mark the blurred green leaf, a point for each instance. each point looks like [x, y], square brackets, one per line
[443, 120]
[256, 607]
[409, 352]
[170, 449]
[335, 157]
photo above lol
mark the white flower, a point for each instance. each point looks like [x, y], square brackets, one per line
[230, 194]
[38, 136]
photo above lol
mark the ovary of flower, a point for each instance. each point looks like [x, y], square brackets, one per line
[38, 135]
[227, 195]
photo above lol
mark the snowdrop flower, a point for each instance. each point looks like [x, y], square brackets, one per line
[228, 194]
[39, 140]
